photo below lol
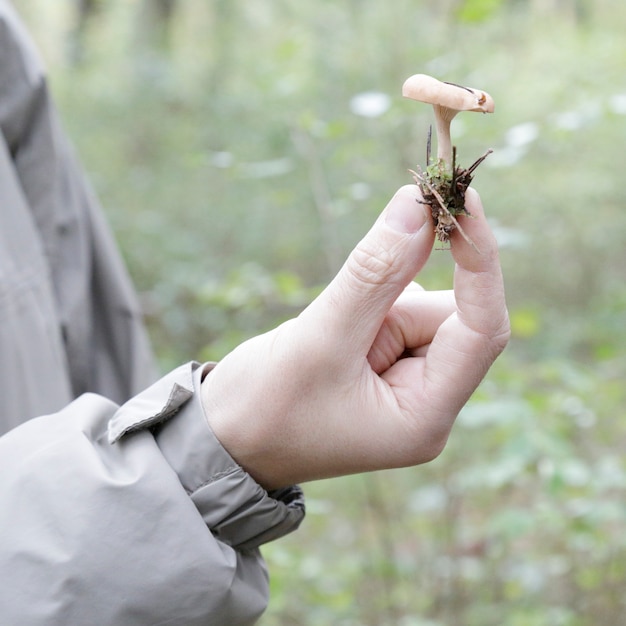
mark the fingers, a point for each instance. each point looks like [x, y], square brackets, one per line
[410, 326]
[478, 283]
[352, 308]
[468, 342]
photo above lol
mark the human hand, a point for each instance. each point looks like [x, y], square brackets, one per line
[373, 373]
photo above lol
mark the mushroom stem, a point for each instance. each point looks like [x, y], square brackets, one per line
[443, 119]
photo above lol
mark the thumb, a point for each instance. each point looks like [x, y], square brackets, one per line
[353, 306]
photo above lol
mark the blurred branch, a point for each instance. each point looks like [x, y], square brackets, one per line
[84, 12]
[154, 24]
[321, 197]
[384, 526]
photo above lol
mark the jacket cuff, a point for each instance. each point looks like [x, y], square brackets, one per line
[237, 510]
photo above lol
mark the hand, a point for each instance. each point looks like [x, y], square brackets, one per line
[373, 373]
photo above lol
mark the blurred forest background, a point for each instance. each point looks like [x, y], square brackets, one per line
[240, 149]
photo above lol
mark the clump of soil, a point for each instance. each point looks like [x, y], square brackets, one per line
[443, 190]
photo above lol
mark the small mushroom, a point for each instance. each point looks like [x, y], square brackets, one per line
[447, 100]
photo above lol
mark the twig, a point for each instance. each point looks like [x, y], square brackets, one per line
[442, 206]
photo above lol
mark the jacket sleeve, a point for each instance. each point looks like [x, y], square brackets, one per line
[133, 515]
[68, 261]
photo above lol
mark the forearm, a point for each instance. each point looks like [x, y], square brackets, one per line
[150, 528]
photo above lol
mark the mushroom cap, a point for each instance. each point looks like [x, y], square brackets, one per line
[432, 91]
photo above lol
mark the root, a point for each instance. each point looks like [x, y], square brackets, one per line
[445, 222]
[444, 192]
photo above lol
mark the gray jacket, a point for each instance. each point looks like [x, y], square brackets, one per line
[133, 516]
[69, 319]
[129, 515]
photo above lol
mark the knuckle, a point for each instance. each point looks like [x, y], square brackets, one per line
[502, 339]
[370, 264]
[434, 450]
[502, 334]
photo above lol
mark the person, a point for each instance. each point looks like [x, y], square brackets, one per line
[70, 321]
[152, 511]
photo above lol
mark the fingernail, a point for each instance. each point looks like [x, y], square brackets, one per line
[405, 214]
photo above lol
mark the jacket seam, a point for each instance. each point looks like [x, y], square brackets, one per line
[214, 478]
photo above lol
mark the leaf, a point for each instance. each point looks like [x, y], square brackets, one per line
[478, 10]
[525, 322]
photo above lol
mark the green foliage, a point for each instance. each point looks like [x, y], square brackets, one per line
[438, 173]
[242, 152]
[478, 10]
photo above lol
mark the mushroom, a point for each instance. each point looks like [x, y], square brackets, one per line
[447, 100]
